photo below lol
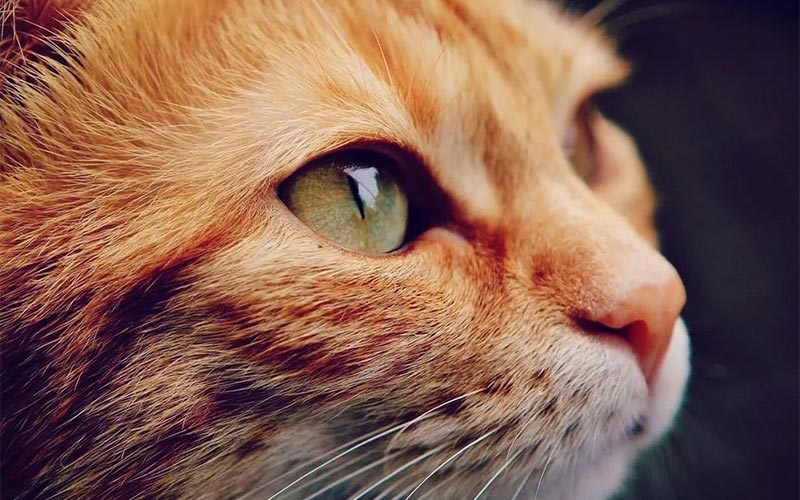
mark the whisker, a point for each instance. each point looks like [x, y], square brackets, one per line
[334, 471]
[544, 470]
[601, 11]
[443, 482]
[334, 28]
[413, 79]
[450, 459]
[337, 457]
[435, 408]
[353, 474]
[315, 459]
[497, 474]
[649, 13]
[403, 492]
[516, 437]
[388, 491]
[523, 483]
[383, 56]
[380, 435]
[397, 471]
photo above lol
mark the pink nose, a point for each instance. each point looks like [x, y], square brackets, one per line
[645, 313]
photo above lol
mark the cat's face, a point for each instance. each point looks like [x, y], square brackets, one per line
[173, 328]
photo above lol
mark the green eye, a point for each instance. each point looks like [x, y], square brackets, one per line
[352, 200]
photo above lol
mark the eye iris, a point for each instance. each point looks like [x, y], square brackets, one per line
[355, 204]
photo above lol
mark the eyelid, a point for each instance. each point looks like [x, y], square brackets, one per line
[396, 151]
[614, 75]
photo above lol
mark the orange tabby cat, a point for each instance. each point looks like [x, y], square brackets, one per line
[304, 249]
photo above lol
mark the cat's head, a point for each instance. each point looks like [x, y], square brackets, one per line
[264, 246]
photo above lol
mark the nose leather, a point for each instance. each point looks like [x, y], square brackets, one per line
[645, 311]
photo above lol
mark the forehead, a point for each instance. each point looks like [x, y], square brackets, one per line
[529, 49]
[471, 85]
[474, 86]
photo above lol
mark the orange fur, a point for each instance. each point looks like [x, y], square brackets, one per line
[169, 329]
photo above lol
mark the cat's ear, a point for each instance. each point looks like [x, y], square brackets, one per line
[31, 31]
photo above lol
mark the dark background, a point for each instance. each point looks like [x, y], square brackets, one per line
[714, 107]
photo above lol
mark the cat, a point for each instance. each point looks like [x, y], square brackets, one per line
[282, 249]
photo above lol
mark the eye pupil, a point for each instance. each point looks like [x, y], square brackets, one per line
[352, 199]
[353, 183]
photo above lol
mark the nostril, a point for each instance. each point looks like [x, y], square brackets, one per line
[624, 333]
[633, 300]
[596, 328]
[641, 312]
[648, 346]
[636, 335]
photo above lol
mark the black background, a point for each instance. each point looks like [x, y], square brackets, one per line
[713, 105]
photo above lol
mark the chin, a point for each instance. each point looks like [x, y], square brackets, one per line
[604, 476]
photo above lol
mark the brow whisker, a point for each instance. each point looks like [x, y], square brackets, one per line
[383, 56]
[601, 11]
[649, 13]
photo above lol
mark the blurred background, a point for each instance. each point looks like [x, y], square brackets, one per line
[713, 105]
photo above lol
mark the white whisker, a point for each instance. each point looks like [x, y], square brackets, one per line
[402, 493]
[435, 408]
[523, 483]
[337, 457]
[522, 429]
[450, 459]
[353, 474]
[315, 459]
[389, 431]
[649, 13]
[386, 492]
[497, 474]
[601, 11]
[333, 471]
[443, 482]
[397, 471]
[544, 470]
[385, 62]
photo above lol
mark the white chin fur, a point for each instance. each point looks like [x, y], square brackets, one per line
[604, 478]
[667, 392]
